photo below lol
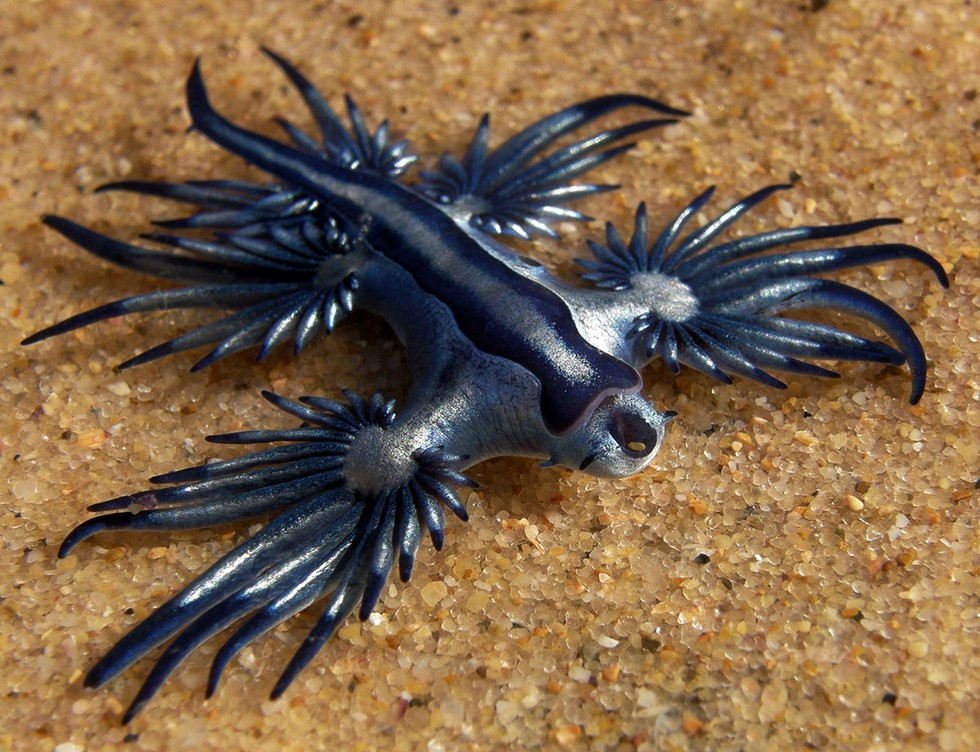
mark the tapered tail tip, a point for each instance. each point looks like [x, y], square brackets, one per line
[197, 94]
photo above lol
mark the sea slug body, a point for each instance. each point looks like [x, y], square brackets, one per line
[506, 359]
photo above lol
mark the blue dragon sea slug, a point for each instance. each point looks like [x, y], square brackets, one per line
[506, 359]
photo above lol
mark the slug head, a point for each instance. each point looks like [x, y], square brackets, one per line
[620, 438]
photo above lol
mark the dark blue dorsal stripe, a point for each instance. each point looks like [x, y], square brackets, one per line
[500, 311]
